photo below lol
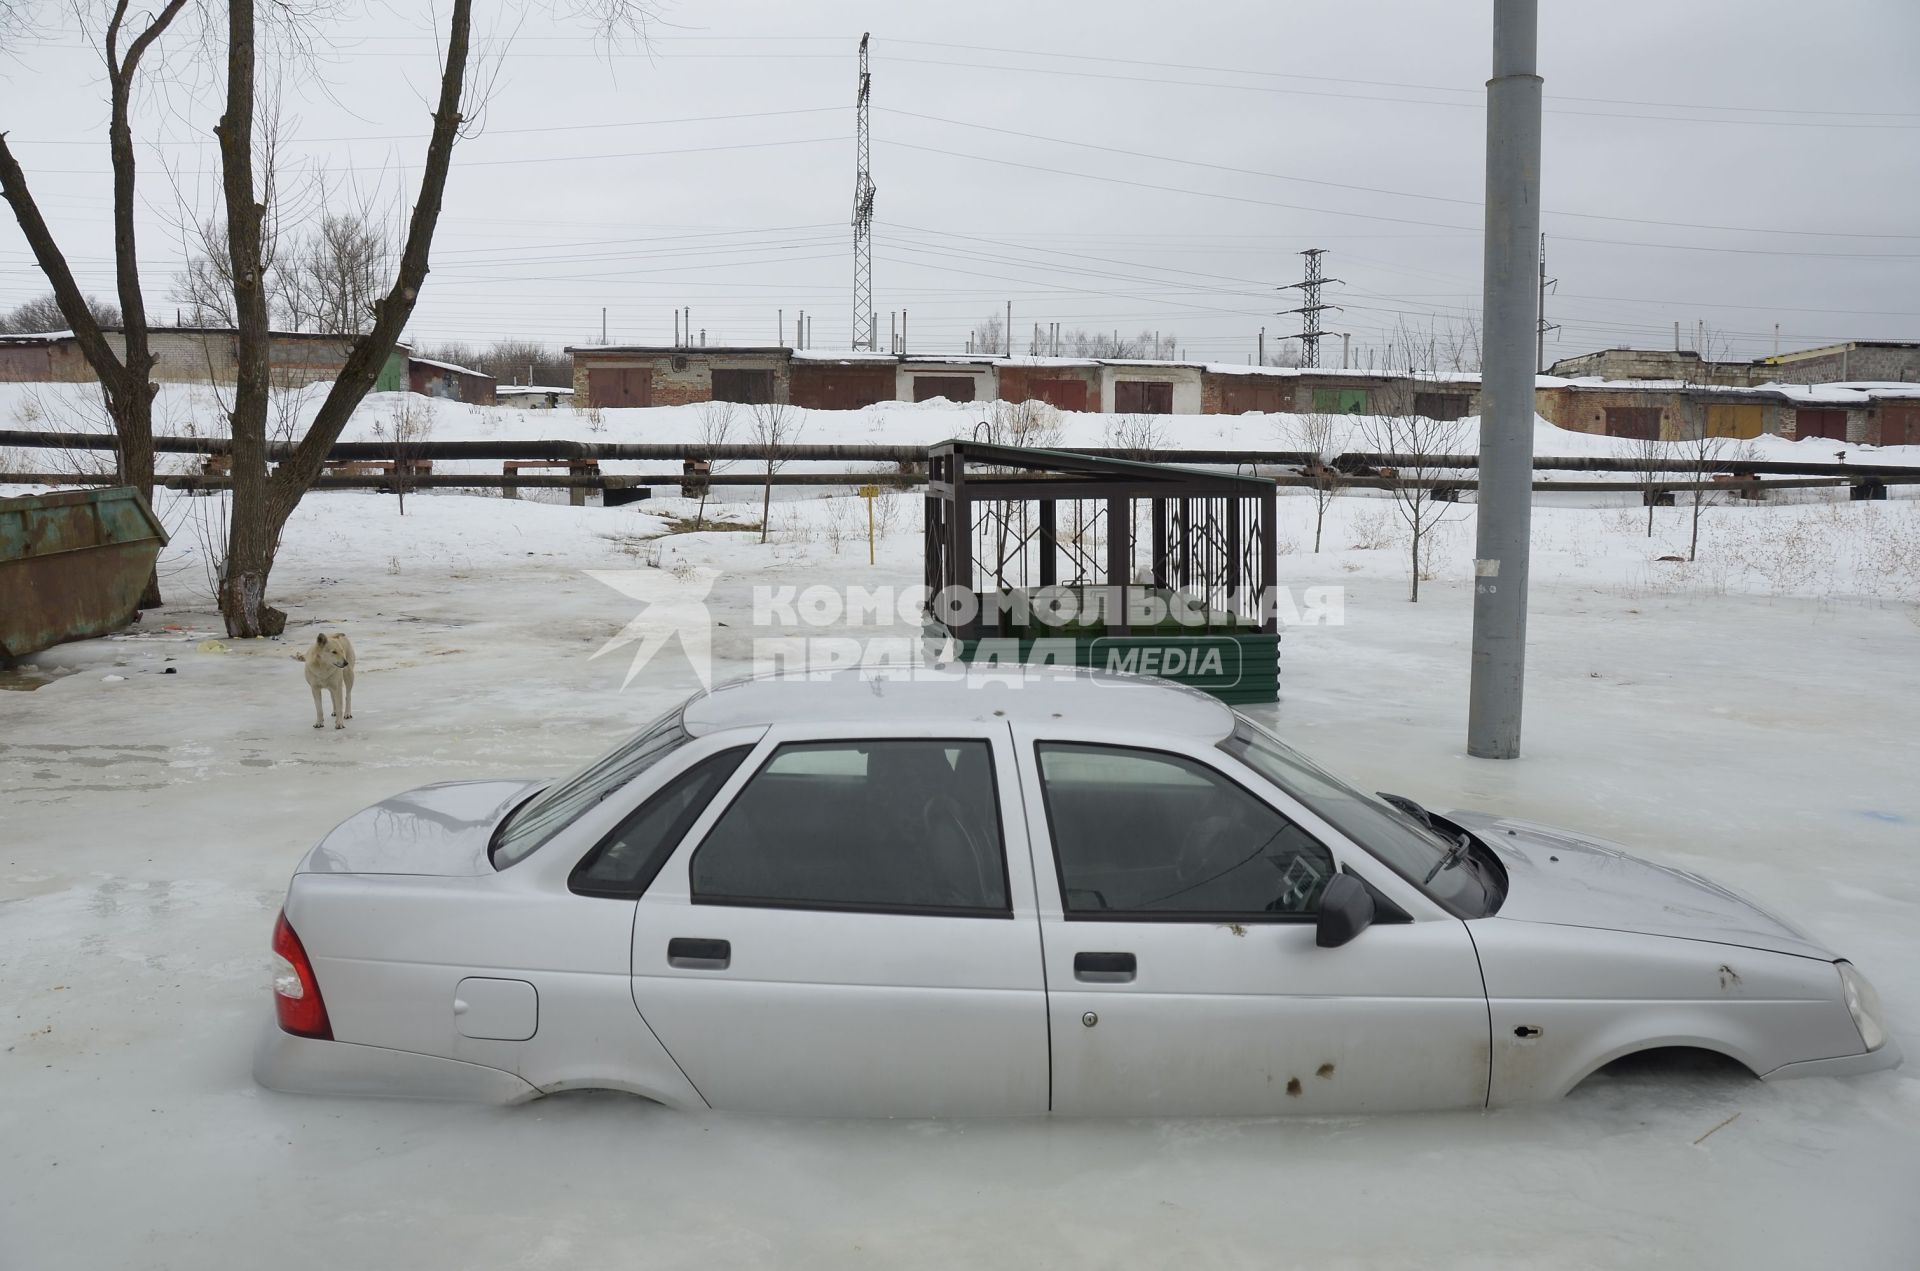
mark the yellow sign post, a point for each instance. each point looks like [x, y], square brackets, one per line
[869, 493]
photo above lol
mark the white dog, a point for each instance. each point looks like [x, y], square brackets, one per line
[330, 666]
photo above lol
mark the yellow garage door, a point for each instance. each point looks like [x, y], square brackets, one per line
[1734, 421]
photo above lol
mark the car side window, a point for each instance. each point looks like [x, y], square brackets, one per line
[883, 824]
[1144, 833]
[624, 863]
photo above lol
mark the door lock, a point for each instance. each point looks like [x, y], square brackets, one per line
[1090, 1019]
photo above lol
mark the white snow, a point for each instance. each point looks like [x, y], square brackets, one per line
[1750, 716]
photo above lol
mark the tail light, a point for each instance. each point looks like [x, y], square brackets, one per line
[296, 994]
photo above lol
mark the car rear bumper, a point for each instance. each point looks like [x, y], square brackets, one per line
[1888, 1056]
[305, 1065]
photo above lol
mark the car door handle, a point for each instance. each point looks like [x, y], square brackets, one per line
[1104, 968]
[699, 955]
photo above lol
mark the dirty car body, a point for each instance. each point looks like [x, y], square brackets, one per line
[951, 895]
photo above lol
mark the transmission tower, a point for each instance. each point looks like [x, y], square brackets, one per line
[1543, 326]
[1310, 312]
[863, 328]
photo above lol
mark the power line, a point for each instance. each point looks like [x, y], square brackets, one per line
[1403, 101]
[1374, 216]
[1373, 189]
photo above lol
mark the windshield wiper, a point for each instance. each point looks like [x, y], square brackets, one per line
[1453, 856]
[1408, 806]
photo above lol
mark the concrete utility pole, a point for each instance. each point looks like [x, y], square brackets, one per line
[1506, 414]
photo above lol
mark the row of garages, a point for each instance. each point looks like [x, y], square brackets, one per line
[208, 355]
[1667, 410]
[630, 375]
[1876, 414]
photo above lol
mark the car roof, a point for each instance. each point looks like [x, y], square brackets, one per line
[927, 695]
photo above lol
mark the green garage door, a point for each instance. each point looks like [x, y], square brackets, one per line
[1340, 401]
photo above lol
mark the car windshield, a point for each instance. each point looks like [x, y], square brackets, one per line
[1396, 838]
[554, 808]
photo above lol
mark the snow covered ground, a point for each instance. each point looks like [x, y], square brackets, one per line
[1750, 716]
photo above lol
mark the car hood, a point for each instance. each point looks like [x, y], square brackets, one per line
[440, 829]
[1568, 879]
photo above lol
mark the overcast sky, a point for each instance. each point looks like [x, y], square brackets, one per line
[1100, 163]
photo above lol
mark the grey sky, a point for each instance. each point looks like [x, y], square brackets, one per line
[551, 215]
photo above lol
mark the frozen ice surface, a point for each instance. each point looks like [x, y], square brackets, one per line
[1751, 717]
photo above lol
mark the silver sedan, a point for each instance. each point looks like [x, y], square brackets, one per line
[969, 894]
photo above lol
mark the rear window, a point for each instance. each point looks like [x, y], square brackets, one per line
[531, 824]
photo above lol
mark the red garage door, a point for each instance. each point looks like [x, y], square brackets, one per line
[1240, 394]
[1061, 394]
[620, 386]
[1822, 423]
[1900, 423]
[840, 387]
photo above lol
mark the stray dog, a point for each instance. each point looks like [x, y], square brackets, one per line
[330, 665]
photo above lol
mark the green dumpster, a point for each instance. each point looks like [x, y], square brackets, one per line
[72, 565]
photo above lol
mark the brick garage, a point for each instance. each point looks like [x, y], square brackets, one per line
[1064, 385]
[182, 355]
[847, 382]
[1229, 392]
[635, 375]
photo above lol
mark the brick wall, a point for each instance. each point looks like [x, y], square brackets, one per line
[689, 382]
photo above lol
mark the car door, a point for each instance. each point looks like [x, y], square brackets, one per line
[850, 930]
[1177, 894]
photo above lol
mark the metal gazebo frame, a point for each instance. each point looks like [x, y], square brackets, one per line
[994, 524]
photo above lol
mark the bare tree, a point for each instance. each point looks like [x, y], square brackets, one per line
[1459, 344]
[43, 314]
[989, 337]
[716, 429]
[1104, 344]
[325, 280]
[775, 428]
[407, 428]
[125, 373]
[337, 274]
[1418, 448]
[1319, 433]
[262, 502]
[1648, 455]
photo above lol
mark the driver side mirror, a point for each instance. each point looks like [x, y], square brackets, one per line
[1346, 909]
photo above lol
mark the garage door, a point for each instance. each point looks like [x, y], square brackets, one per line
[840, 387]
[1340, 401]
[955, 388]
[746, 387]
[1243, 393]
[1143, 397]
[1061, 394]
[1739, 421]
[620, 386]
[1639, 422]
[1821, 423]
[1900, 423]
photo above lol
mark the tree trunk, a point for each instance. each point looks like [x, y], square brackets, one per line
[262, 503]
[1652, 496]
[766, 504]
[126, 377]
[1319, 519]
[1415, 597]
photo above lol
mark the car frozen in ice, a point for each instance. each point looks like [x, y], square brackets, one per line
[954, 895]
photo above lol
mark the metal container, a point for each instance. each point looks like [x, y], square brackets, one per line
[72, 565]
